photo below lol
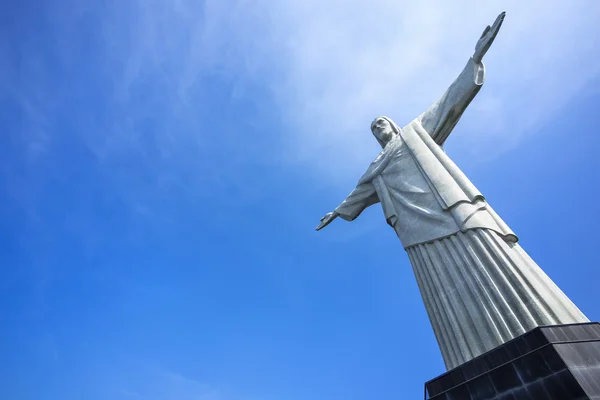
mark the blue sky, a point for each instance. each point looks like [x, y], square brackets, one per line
[163, 165]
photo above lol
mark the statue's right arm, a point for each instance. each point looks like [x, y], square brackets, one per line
[441, 118]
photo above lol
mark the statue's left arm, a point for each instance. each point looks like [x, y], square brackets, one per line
[441, 118]
[363, 196]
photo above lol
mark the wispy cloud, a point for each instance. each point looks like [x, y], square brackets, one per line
[332, 66]
[155, 383]
[177, 386]
[350, 61]
[326, 68]
[149, 381]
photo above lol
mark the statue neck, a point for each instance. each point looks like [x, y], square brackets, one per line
[384, 145]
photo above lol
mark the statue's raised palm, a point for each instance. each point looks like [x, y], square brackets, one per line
[487, 38]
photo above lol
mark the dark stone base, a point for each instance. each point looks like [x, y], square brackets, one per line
[552, 362]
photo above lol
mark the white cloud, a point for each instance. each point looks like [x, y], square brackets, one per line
[152, 383]
[332, 65]
[349, 61]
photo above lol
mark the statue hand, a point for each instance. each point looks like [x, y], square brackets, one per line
[487, 37]
[326, 220]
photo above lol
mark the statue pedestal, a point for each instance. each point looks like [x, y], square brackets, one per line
[551, 362]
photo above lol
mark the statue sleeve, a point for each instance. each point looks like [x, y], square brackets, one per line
[362, 196]
[442, 117]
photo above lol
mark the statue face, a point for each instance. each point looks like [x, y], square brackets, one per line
[382, 130]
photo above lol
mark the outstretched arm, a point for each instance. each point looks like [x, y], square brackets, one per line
[442, 117]
[362, 196]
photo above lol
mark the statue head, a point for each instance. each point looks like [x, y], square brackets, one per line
[384, 130]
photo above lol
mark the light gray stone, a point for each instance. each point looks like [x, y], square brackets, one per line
[480, 288]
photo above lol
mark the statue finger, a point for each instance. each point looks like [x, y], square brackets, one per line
[498, 21]
[485, 31]
[496, 30]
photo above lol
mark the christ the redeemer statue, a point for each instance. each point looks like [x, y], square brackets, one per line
[480, 288]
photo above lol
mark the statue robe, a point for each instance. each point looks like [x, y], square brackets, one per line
[479, 286]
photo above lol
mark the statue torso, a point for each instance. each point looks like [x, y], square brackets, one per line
[420, 215]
